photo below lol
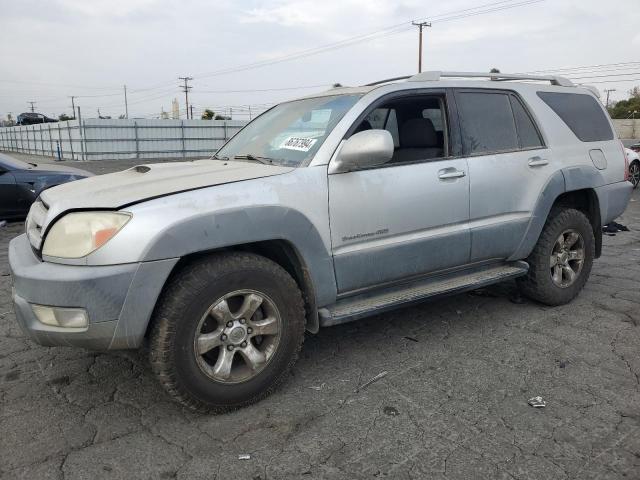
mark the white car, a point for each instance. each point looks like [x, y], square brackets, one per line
[634, 166]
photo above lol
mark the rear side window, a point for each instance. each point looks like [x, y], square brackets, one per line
[487, 122]
[582, 114]
[527, 131]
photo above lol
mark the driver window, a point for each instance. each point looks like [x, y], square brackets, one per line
[417, 124]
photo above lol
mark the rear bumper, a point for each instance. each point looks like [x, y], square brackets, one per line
[118, 299]
[613, 199]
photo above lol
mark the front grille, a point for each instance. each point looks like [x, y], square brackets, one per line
[35, 221]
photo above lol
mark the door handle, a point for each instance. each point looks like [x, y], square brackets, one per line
[538, 161]
[447, 174]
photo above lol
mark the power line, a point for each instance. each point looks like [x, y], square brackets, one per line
[615, 81]
[265, 89]
[606, 76]
[555, 70]
[382, 33]
[391, 30]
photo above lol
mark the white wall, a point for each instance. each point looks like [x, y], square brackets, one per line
[629, 129]
[98, 139]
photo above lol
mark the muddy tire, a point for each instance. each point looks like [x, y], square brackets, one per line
[226, 331]
[561, 261]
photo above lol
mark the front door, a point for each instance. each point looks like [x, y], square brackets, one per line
[407, 217]
[8, 195]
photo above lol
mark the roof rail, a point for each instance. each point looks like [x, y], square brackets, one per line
[388, 80]
[498, 77]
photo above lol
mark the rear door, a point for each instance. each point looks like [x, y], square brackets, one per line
[508, 168]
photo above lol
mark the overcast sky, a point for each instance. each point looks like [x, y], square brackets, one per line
[51, 49]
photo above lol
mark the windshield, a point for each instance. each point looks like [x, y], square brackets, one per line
[290, 133]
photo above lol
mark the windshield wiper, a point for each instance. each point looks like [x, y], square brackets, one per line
[215, 155]
[254, 158]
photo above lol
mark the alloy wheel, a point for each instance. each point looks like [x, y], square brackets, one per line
[634, 173]
[567, 258]
[237, 336]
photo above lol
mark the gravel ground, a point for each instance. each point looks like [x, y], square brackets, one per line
[453, 404]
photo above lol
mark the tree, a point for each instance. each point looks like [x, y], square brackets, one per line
[494, 70]
[63, 117]
[627, 108]
[208, 114]
[222, 117]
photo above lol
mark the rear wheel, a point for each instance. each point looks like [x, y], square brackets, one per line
[227, 331]
[561, 261]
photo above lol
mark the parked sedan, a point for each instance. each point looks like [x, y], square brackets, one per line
[21, 183]
[634, 166]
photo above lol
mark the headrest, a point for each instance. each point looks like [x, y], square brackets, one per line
[418, 133]
[364, 125]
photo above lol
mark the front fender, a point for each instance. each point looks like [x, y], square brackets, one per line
[233, 227]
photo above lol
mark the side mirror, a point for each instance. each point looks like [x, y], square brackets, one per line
[364, 149]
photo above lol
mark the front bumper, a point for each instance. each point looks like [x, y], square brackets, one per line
[119, 299]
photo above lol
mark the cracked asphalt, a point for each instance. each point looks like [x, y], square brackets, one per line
[453, 403]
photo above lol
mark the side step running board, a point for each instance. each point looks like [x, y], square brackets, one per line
[371, 303]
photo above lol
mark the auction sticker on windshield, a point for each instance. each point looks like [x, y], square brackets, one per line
[299, 143]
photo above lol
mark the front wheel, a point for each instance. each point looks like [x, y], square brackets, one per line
[226, 331]
[561, 261]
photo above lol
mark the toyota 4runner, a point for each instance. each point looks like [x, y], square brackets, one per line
[321, 211]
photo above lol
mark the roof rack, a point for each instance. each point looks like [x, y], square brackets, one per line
[387, 80]
[434, 76]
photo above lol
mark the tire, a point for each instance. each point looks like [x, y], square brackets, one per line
[542, 282]
[191, 316]
[634, 173]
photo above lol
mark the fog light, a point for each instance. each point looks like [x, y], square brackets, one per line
[61, 317]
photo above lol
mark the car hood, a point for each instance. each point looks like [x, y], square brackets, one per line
[52, 168]
[144, 182]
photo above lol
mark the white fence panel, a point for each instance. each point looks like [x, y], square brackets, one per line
[100, 139]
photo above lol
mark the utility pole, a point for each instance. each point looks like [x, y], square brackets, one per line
[191, 108]
[185, 88]
[73, 105]
[33, 109]
[609, 90]
[126, 105]
[420, 26]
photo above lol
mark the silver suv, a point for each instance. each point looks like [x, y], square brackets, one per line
[321, 211]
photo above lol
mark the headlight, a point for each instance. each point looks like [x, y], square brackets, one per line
[78, 234]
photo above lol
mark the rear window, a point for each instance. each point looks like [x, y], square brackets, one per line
[487, 122]
[582, 114]
[529, 136]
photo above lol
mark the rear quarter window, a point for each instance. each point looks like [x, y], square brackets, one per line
[581, 113]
